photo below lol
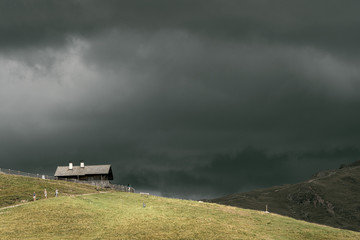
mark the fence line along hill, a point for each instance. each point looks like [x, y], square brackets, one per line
[121, 215]
[16, 189]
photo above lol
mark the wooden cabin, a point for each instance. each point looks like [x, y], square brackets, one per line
[94, 174]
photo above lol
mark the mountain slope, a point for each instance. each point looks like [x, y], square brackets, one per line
[119, 215]
[330, 197]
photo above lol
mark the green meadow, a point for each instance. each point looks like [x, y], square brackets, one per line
[19, 189]
[119, 215]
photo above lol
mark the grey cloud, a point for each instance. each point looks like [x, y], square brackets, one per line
[171, 94]
[320, 24]
[198, 91]
[241, 171]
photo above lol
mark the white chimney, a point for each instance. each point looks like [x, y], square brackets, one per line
[82, 164]
[70, 166]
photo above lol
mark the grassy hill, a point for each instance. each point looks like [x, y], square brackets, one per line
[16, 189]
[330, 198]
[119, 215]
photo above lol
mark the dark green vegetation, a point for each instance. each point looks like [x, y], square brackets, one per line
[19, 189]
[330, 197]
[119, 215]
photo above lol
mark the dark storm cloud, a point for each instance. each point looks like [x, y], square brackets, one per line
[320, 24]
[242, 171]
[186, 98]
[243, 89]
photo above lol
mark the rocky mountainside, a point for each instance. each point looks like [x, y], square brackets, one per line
[330, 197]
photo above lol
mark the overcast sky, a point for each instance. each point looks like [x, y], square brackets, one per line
[190, 99]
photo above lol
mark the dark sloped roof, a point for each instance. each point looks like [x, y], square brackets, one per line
[64, 171]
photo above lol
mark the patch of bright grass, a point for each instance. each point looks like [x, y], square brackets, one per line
[119, 215]
[17, 189]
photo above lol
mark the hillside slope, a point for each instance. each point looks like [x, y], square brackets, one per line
[15, 189]
[330, 197]
[119, 215]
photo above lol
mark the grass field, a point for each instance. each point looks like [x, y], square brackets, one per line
[117, 215]
[17, 189]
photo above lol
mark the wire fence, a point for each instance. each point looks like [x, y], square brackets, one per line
[20, 173]
[103, 184]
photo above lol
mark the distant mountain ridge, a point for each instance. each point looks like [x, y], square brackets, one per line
[330, 197]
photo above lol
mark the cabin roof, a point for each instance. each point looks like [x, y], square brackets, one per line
[64, 171]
